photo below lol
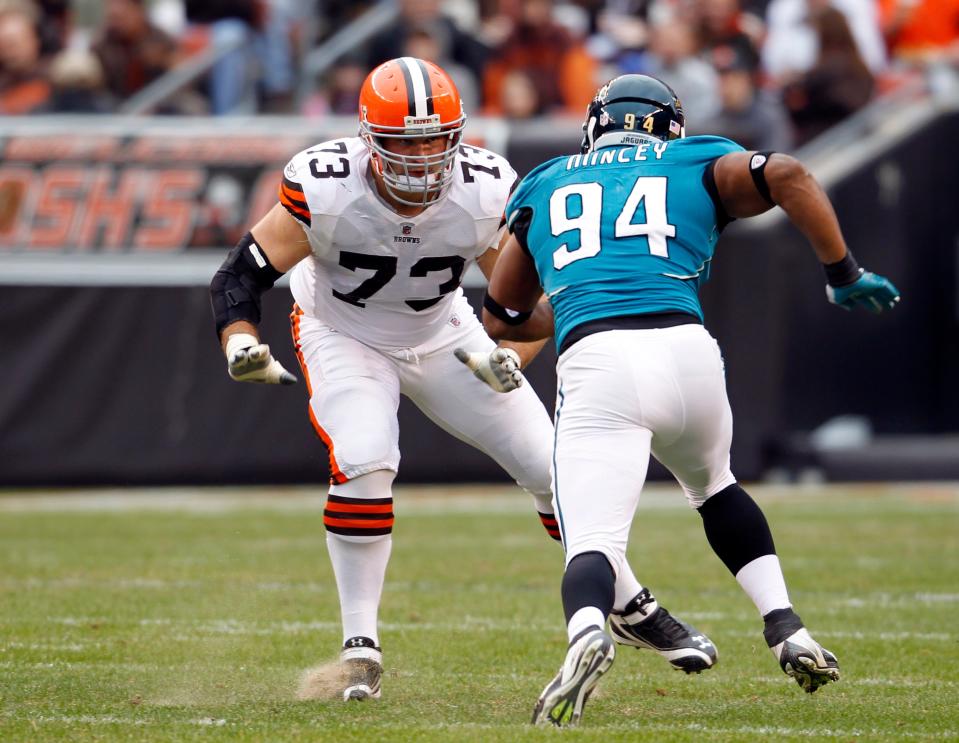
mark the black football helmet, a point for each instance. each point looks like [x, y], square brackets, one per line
[634, 104]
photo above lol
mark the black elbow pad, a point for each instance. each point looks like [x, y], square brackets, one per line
[237, 285]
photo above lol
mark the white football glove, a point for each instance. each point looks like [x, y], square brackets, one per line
[499, 369]
[248, 360]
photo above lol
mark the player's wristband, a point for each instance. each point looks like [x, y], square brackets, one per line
[510, 317]
[843, 272]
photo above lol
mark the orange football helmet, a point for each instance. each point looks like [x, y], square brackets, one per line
[409, 98]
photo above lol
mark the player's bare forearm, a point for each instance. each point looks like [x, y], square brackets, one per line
[527, 351]
[808, 207]
[513, 291]
[533, 332]
[792, 187]
[281, 238]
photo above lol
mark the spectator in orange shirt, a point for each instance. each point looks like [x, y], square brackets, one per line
[24, 87]
[921, 31]
[563, 73]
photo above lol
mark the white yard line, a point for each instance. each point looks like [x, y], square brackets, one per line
[431, 498]
[756, 732]
[230, 626]
[639, 726]
[87, 720]
[768, 732]
[773, 678]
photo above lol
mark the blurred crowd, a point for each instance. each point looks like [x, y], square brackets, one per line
[767, 73]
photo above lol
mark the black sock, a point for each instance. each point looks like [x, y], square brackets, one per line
[736, 528]
[588, 581]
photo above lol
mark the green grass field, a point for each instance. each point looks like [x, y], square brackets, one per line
[191, 615]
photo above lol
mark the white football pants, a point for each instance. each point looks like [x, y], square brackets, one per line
[622, 395]
[355, 392]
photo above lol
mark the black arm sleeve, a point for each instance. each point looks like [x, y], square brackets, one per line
[237, 285]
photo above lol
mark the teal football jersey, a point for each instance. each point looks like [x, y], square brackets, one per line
[624, 230]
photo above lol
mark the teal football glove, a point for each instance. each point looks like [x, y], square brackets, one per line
[870, 290]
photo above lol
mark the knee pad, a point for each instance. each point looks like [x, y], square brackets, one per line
[358, 427]
[361, 509]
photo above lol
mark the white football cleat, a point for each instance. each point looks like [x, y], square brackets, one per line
[589, 656]
[806, 660]
[362, 664]
[643, 623]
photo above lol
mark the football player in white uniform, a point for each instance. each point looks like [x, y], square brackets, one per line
[378, 230]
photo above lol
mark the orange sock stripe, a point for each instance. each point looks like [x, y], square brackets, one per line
[358, 523]
[551, 525]
[336, 475]
[357, 508]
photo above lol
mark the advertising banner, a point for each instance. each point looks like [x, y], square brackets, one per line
[139, 189]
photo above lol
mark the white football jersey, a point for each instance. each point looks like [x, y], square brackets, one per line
[382, 278]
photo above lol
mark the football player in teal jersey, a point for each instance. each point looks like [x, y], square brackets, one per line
[619, 239]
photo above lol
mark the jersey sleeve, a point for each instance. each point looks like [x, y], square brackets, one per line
[488, 179]
[291, 193]
[311, 179]
[714, 147]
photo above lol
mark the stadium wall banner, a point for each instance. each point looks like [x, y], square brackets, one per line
[136, 188]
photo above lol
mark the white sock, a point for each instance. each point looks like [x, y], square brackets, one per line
[359, 564]
[359, 561]
[763, 581]
[626, 586]
[588, 616]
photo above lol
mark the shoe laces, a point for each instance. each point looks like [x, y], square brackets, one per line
[666, 624]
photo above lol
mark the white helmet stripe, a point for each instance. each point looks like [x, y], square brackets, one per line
[416, 86]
